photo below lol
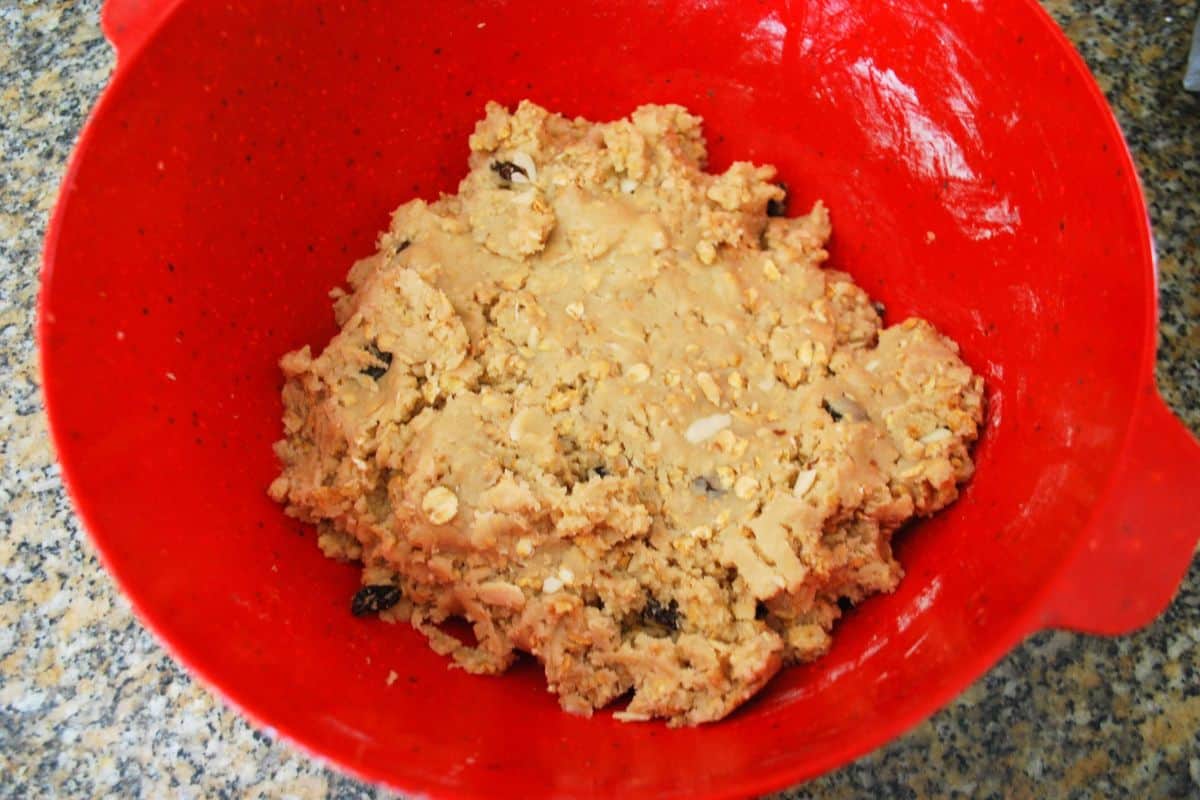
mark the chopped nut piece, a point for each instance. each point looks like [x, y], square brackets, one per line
[725, 441]
[745, 487]
[599, 370]
[804, 481]
[440, 505]
[709, 387]
[936, 435]
[638, 373]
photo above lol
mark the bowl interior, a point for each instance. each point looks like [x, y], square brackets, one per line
[247, 156]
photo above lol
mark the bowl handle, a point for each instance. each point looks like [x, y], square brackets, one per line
[1142, 534]
[129, 23]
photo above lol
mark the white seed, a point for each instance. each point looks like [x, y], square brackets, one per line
[705, 428]
[770, 271]
[575, 310]
[524, 547]
[628, 185]
[804, 482]
[566, 576]
[551, 585]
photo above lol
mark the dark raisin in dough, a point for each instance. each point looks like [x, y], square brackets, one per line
[373, 599]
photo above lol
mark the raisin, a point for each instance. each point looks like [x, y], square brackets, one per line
[845, 604]
[373, 599]
[400, 248]
[506, 170]
[375, 371]
[778, 208]
[879, 307]
[600, 471]
[707, 487]
[760, 610]
[845, 408]
[667, 616]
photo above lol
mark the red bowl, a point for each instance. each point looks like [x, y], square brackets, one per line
[245, 153]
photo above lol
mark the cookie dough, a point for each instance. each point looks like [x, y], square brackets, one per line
[612, 410]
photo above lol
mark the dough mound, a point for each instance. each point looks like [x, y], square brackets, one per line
[610, 409]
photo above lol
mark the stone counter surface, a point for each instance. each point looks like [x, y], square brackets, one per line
[91, 706]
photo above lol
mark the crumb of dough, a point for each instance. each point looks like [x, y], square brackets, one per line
[615, 411]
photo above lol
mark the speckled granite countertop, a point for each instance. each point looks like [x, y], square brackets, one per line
[90, 706]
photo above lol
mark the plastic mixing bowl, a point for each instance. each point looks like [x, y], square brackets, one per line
[246, 153]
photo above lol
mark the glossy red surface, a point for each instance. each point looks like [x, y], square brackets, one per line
[243, 156]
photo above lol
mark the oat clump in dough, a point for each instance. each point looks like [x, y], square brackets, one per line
[607, 409]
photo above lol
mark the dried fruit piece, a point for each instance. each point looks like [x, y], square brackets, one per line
[665, 615]
[707, 487]
[506, 170]
[373, 599]
[778, 208]
[377, 371]
[842, 407]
